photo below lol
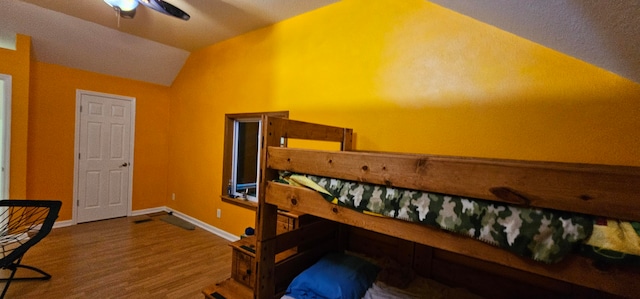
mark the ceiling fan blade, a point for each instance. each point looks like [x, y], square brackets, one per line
[165, 8]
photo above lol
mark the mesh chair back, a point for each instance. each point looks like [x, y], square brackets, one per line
[23, 223]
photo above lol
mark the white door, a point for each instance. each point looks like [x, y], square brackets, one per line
[104, 147]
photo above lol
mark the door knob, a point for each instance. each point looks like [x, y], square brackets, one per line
[125, 164]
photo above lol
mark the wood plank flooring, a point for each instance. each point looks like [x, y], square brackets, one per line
[120, 258]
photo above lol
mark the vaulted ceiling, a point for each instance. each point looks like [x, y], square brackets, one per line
[152, 47]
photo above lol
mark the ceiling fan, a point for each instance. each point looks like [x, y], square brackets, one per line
[127, 8]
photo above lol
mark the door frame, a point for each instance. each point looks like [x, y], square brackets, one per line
[76, 148]
[5, 148]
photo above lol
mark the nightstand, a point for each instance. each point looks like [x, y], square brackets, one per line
[242, 280]
[243, 266]
[243, 260]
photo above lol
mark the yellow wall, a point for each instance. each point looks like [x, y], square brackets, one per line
[17, 64]
[51, 134]
[408, 76]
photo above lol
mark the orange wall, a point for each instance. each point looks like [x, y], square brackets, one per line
[52, 125]
[17, 64]
[408, 76]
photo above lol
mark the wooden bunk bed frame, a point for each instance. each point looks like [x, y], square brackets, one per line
[602, 190]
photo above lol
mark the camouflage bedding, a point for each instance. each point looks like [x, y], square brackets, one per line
[543, 235]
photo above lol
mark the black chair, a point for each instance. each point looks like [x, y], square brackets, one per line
[23, 223]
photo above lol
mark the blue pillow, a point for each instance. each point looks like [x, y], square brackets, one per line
[335, 276]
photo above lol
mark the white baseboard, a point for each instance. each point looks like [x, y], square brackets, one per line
[64, 223]
[149, 211]
[210, 228]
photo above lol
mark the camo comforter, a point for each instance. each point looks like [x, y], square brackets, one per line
[543, 235]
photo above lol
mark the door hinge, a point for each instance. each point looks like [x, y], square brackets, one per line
[80, 108]
[79, 156]
[77, 203]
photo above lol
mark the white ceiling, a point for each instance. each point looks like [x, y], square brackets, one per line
[605, 33]
[152, 47]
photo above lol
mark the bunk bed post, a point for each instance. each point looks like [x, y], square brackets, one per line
[266, 215]
[347, 140]
[273, 130]
[345, 145]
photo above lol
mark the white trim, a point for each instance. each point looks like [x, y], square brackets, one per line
[234, 160]
[64, 223]
[76, 147]
[149, 211]
[5, 151]
[207, 227]
[210, 228]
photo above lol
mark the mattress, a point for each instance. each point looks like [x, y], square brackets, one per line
[353, 276]
[539, 234]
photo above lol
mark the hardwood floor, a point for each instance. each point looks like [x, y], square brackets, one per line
[120, 258]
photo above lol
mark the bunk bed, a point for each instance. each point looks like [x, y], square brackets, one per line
[583, 189]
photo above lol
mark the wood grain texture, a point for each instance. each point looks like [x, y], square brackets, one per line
[273, 130]
[303, 130]
[573, 269]
[229, 289]
[119, 258]
[604, 190]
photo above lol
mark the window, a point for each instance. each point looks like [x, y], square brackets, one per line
[241, 167]
[246, 162]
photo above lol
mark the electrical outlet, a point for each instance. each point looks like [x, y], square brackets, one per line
[173, 196]
[219, 213]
